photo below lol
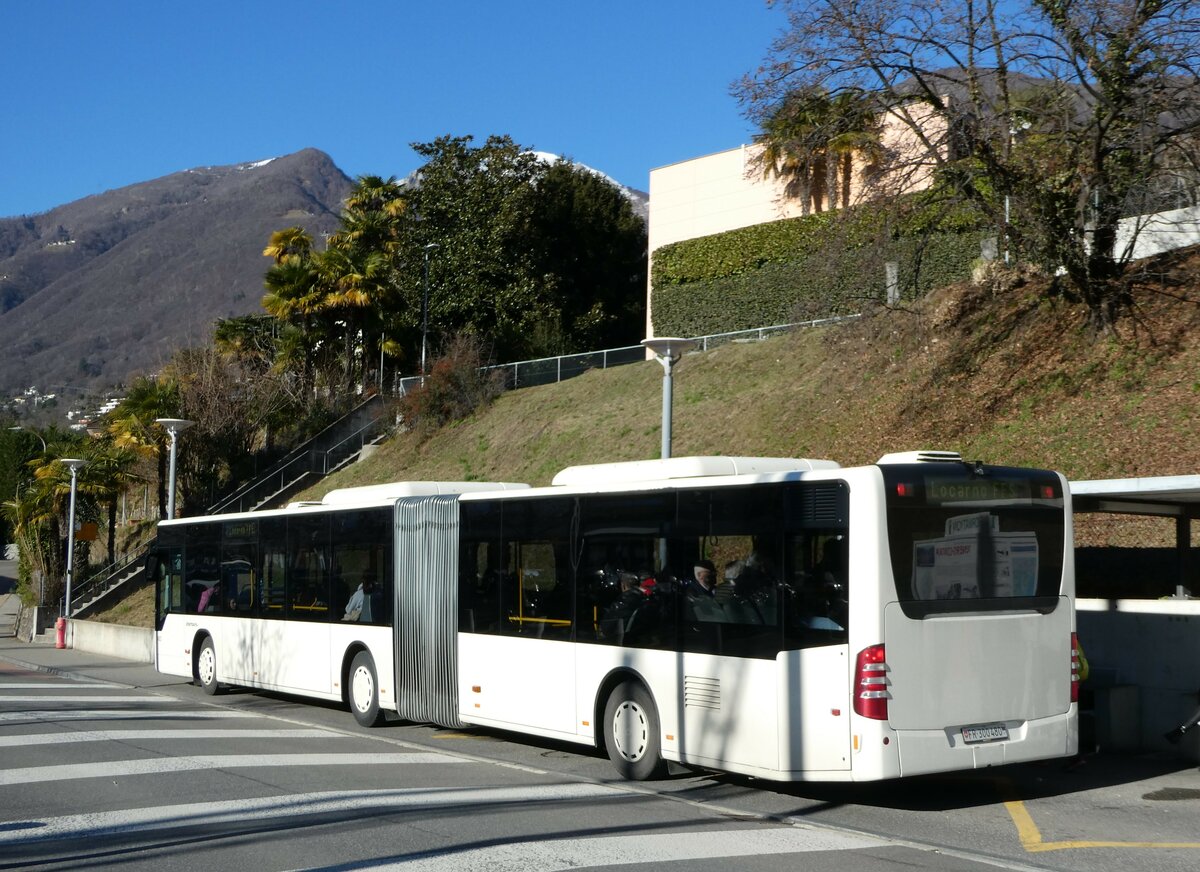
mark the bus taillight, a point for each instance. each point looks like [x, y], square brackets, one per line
[871, 684]
[1076, 669]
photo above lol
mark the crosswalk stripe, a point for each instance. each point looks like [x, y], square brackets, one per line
[161, 765]
[139, 735]
[560, 855]
[60, 685]
[121, 714]
[86, 698]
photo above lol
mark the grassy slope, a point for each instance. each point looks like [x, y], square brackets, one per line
[1002, 375]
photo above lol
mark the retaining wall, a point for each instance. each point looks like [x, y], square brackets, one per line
[115, 640]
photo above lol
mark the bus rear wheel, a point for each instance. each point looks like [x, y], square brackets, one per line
[364, 690]
[631, 732]
[206, 666]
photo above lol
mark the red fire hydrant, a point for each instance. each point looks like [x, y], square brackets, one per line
[60, 633]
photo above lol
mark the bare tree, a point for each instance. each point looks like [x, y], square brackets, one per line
[231, 406]
[1054, 119]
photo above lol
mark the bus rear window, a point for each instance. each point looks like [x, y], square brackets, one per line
[965, 538]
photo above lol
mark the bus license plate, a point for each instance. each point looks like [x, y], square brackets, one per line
[984, 733]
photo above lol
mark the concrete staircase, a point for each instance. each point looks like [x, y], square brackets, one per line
[110, 585]
[336, 446]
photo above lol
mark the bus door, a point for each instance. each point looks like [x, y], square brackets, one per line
[164, 566]
[516, 656]
[764, 677]
[236, 597]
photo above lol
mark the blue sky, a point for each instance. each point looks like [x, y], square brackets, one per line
[104, 94]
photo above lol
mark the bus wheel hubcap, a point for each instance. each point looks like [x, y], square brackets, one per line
[363, 689]
[629, 731]
[206, 665]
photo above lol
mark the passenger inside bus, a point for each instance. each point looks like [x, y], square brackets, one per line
[826, 606]
[703, 582]
[364, 602]
[620, 620]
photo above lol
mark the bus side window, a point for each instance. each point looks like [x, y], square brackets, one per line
[165, 567]
[481, 567]
[202, 567]
[623, 595]
[360, 581]
[819, 608]
[307, 583]
[739, 532]
[536, 596]
[272, 594]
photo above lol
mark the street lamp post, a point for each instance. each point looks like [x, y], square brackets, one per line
[74, 465]
[173, 426]
[425, 307]
[35, 433]
[667, 350]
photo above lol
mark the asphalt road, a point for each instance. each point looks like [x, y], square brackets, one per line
[147, 772]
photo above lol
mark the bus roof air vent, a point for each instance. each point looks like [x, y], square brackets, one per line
[683, 467]
[924, 456]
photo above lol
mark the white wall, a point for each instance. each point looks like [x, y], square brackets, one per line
[1155, 234]
[115, 640]
[1153, 645]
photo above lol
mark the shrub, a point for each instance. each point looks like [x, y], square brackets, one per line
[802, 268]
[456, 387]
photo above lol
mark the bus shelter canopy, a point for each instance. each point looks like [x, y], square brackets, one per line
[1169, 496]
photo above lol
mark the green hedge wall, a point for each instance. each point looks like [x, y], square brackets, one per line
[796, 269]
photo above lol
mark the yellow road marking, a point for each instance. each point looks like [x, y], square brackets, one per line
[1031, 836]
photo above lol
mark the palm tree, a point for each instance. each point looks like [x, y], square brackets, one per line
[361, 266]
[296, 297]
[131, 424]
[855, 130]
[35, 530]
[291, 243]
[357, 283]
[39, 514]
[371, 217]
[810, 142]
[792, 140]
[108, 474]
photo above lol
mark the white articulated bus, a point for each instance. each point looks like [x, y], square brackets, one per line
[786, 619]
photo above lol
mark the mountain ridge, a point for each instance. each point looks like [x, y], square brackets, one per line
[92, 291]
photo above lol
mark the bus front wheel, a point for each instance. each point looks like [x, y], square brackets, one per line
[631, 732]
[206, 666]
[364, 690]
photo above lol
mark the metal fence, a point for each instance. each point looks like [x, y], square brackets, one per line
[548, 370]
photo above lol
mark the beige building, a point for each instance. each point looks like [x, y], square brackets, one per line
[728, 190]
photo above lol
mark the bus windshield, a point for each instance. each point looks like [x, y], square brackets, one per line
[964, 537]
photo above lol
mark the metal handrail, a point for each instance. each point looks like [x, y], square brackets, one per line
[359, 435]
[101, 580]
[308, 457]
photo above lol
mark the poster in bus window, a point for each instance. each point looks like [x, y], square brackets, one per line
[948, 568]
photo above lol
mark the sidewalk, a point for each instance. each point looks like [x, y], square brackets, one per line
[44, 657]
[10, 605]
